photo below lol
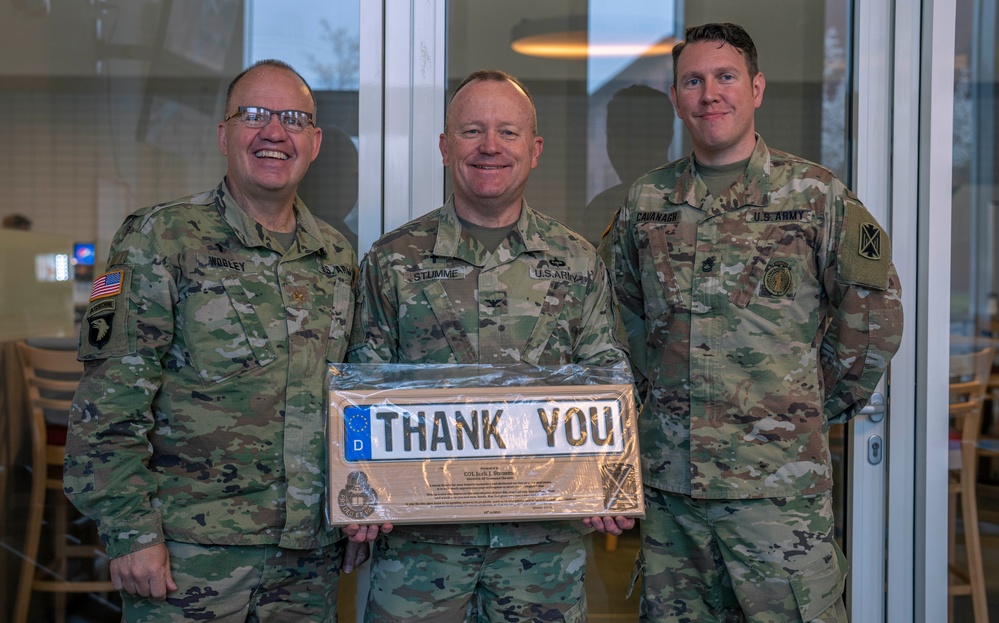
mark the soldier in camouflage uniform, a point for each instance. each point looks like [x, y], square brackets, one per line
[196, 437]
[768, 307]
[484, 279]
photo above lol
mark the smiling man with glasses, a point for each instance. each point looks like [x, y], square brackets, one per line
[196, 438]
[258, 117]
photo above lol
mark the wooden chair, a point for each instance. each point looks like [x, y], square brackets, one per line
[969, 377]
[51, 377]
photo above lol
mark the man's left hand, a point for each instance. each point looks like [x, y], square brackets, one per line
[363, 534]
[610, 525]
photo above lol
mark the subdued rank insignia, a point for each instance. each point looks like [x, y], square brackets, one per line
[870, 241]
[777, 279]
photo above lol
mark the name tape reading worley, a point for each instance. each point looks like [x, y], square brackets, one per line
[509, 453]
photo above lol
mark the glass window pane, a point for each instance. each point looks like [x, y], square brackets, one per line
[109, 107]
[974, 305]
[600, 90]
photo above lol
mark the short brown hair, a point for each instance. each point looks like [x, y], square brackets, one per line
[724, 32]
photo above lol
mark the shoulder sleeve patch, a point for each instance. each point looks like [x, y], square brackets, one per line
[864, 254]
[103, 331]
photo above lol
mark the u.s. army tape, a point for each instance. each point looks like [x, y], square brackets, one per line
[457, 455]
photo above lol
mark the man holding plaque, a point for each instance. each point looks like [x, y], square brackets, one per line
[768, 307]
[484, 280]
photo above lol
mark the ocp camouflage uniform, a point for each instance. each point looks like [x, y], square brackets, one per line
[199, 418]
[766, 314]
[429, 292]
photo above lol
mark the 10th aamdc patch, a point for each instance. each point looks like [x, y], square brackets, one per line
[864, 257]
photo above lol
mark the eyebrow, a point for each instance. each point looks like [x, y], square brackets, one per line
[725, 69]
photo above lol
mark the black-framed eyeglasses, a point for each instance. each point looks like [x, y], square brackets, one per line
[258, 117]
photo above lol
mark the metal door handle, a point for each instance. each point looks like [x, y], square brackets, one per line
[876, 408]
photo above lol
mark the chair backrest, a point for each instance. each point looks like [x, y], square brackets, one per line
[52, 377]
[969, 380]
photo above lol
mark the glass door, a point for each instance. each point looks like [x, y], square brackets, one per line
[112, 106]
[599, 70]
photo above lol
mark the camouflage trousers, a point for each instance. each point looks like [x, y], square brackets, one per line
[229, 584]
[766, 560]
[432, 582]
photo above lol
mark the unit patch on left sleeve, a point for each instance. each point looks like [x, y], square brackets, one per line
[864, 254]
[103, 331]
[870, 241]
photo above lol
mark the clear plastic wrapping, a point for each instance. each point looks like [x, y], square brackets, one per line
[462, 443]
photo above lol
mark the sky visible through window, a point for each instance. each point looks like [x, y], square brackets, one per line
[320, 39]
[643, 22]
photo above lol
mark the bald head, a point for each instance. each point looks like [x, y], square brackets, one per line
[493, 75]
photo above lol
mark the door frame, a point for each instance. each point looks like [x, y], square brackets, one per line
[903, 120]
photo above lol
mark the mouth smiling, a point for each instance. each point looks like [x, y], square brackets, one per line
[267, 153]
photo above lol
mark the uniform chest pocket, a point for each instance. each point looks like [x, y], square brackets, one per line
[658, 277]
[342, 317]
[224, 335]
[548, 341]
[770, 280]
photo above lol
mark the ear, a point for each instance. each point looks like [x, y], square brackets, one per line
[672, 95]
[223, 143]
[442, 145]
[759, 85]
[539, 144]
[317, 140]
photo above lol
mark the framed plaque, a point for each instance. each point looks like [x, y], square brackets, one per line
[480, 454]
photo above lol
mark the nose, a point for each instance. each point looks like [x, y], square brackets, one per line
[489, 143]
[709, 92]
[274, 130]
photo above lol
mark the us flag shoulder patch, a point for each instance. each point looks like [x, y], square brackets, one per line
[108, 284]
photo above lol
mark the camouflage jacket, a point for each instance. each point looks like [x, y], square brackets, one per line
[763, 315]
[428, 292]
[200, 414]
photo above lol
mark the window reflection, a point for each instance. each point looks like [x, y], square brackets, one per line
[110, 106]
[585, 170]
[974, 308]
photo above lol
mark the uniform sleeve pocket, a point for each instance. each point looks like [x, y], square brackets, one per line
[104, 331]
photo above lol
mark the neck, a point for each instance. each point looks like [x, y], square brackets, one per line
[487, 215]
[276, 213]
[742, 150]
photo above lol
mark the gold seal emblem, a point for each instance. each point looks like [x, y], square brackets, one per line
[357, 499]
[777, 279]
